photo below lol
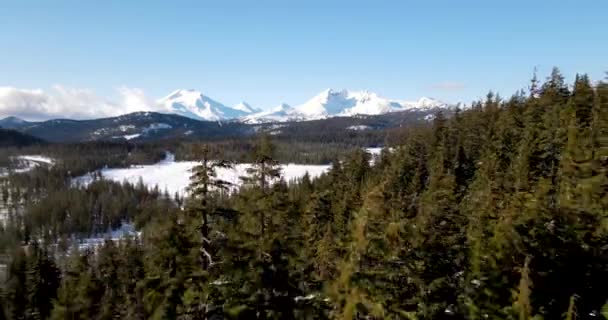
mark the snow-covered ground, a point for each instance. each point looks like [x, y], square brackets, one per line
[37, 159]
[125, 230]
[26, 163]
[174, 176]
[374, 151]
[359, 127]
[131, 136]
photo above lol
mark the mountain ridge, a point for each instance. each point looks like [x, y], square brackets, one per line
[343, 103]
[326, 104]
[15, 138]
[148, 125]
[194, 104]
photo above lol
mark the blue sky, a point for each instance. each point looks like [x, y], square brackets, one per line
[267, 52]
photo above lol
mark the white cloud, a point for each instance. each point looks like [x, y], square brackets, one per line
[134, 99]
[73, 103]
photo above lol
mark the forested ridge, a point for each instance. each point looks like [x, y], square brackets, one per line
[150, 127]
[497, 212]
[11, 138]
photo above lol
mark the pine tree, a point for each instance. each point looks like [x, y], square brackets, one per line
[579, 152]
[80, 292]
[263, 171]
[522, 303]
[599, 180]
[204, 182]
[352, 291]
[41, 283]
[16, 286]
[170, 258]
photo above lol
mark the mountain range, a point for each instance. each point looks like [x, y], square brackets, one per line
[189, 114]
[329, 103]
[133, 126]
[147, 126]
[195, 105]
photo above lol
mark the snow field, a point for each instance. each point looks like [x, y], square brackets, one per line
[174, 177]
[37, 158]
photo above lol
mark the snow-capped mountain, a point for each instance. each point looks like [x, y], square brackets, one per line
[246, 107]
[369, 103]
[344, 103]
[331, 103]
[280, 113]
[193, 104]
[177, 116]
[423, 103]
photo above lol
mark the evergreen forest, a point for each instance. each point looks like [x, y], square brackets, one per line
[497, 211]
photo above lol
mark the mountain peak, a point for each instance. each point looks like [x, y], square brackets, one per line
[324, 104]
[331, 102]
[327, 103]
[427, 101]
[332, 92]
[13, 119]
[194, 104]
[246, 107]
[12, 122]
[423, 103]
[282, 107]
[184, 94]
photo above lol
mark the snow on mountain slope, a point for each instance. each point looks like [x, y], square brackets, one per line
[37, 159]
[26, 163]
[324, 104]
[423, 103]
[370, 103]
[332, 103]
[193, 104]
[281, 113]
[246, 107]
[328, 103]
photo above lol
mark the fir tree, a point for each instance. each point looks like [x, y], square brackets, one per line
[204, 181]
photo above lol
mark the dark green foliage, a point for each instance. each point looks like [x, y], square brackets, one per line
[42, 278]
[204, 183]
[12, 138]
[499, 212]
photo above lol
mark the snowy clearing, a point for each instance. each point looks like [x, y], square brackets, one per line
[131, 136]
[174, 177]
[37, 159]
[26, 163]
[374, 151]
[359, 128]
[125, 230]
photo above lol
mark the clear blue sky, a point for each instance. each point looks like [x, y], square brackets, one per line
[266, 52]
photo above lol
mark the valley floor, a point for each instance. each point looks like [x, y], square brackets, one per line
[174, 176]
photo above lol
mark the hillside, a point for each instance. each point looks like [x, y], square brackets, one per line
[152, 126]
[14, 138]
[134, 126]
